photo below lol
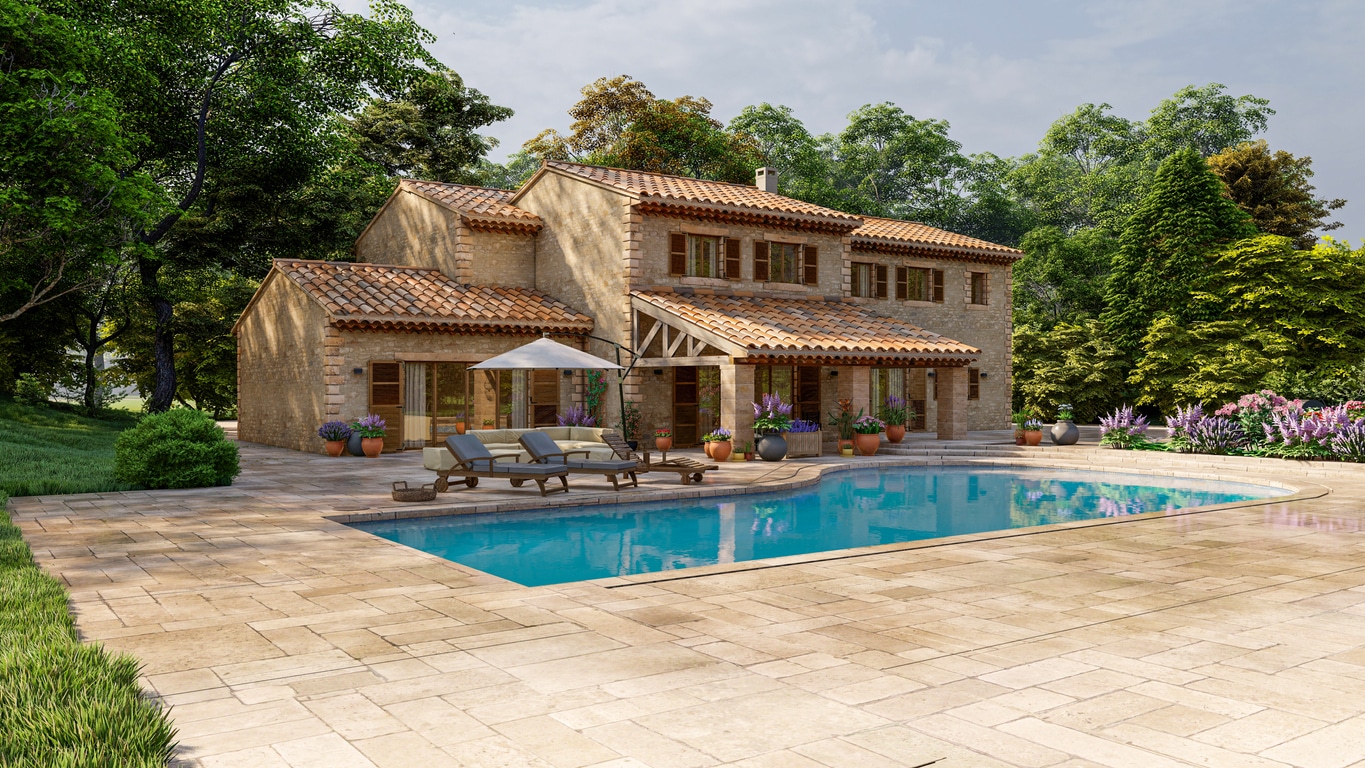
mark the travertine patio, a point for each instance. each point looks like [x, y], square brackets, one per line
[1231, 637]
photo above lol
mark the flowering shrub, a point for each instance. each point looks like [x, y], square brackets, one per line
[1355, 409]
[577, 416]
[1304, 435]
[335, 431]
[1214, 434]
[717, 435]
[1253, 412]
[663, 432]
[1348, 444]
[894, 411]
[801, 425]
[372, 425]
[772, 415]
[1123, 428]
[868, 425]
[1179, 426]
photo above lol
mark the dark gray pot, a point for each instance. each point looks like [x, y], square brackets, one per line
[772, 447]
[353, 445]
[1065, 433]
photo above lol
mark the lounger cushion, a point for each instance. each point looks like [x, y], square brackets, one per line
[529, 469]
[604, 466]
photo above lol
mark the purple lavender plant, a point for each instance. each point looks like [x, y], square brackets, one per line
[1123, 428]
[335, 431]
[1180, 424]
[772, 415]
[576, 416]
[372, 425]
[1299, 435]
[1215, 435]
[801, 425]
[1348, 444]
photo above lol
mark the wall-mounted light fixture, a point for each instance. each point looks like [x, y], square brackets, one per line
[984, 374]
[568, 373]
[357, 371]
[658, 371]
[930, 374]
[834, 374]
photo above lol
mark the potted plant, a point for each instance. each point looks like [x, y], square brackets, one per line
[1019, 418]
[772, 417]
[1064, 432]
[459, 424]
[663, 439]
[803, 438]
[843, 424]
[1033, 432]
[896, 415]
[335, 434]
[630, 424]
[718, 444]
[487, 423]
[745, 450]
[867, 432]
[371, 431]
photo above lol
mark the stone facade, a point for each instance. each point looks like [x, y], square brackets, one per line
[281, 380]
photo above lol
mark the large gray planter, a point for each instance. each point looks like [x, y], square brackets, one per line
[353, 445]
[1065, 433]
[772, 448]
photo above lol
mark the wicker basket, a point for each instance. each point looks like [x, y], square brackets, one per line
[401, 492]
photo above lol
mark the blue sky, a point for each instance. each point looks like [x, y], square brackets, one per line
[999, 71]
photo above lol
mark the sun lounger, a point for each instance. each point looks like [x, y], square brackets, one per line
[544, 451]
[473, 461]
[689, 470]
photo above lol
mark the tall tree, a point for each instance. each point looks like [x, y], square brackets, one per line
[1061, 278]
[600, 119]
[221, 88]
[1204, 119]
[1274, 190]
[1166, 246]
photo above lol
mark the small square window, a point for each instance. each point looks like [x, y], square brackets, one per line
[784, 263]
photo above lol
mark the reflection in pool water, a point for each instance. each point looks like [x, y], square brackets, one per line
[844, 510]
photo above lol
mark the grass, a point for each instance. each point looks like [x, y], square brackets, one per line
[63, 703]
[48, 450]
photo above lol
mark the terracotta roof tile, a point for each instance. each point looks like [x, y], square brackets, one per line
[386, 296]
[684, 189]
[914, 233]
[478, 202]
[811, 327]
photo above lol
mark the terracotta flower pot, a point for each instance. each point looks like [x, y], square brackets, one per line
[895, 432]
[868, 444]
[335, 447]
[373, 446]
[488, 426]
[720, 451]
[663, 443]
[1033, 436]
[459, 427]
[1018, 437]
[709, 448]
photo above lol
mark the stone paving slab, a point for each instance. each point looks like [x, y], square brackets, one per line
[1233, 636]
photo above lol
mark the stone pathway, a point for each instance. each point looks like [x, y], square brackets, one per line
[279, 637]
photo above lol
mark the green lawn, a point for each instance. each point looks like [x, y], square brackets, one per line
[63, 703]
[44, 450]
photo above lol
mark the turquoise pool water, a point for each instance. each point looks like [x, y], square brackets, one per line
[845, 510]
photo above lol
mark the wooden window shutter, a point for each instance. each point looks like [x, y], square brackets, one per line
[732, 268]
[902, 283]
[677, 253]
[760, 261]
[386, 400]
[810, 265]
[879, 290]
[973, 383]
[938, 286]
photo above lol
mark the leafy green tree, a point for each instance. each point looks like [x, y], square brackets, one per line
[1061, 279]
[1075, 363]
[68, 189]
[510, 174]
[431, 131]
[1274, 190]
[1209, 362]
[1204, 119]
[1166, 247]
[222, 88]
[600, 119]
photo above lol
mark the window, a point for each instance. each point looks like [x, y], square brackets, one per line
[861, 279]
[784, 262]
[977, 287]
[937, 283]
[973, 383]
[702, 256]
[914, 284]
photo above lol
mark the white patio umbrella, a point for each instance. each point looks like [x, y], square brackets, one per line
[545, 354]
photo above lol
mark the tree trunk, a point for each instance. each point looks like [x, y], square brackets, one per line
[163, 340]
[91, 379]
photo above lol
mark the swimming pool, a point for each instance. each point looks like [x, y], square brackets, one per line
[844, 510]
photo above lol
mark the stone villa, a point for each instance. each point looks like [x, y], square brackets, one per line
[714, 293]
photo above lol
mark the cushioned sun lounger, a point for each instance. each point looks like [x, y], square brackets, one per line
[688, 470]
[544, 452]
[473, 461]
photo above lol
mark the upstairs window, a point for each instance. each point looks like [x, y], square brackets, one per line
[978, 286]
[973, 383]
[914, 284]
[703, 256]
[784, 263]
[860, 283]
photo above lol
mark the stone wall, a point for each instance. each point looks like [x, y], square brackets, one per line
[502, 258]
[280, 376]
[655, 233]
[411, 231]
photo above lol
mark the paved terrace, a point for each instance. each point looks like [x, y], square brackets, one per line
[279, 637]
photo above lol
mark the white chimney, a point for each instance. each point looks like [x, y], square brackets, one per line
[766, 179]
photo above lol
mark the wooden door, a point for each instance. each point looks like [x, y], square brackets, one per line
[386, 400]
[808, 393]
[685, 407]
[544, 398]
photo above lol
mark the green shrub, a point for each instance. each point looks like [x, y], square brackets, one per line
[28, 390]
[180, 448]
[63, 703]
